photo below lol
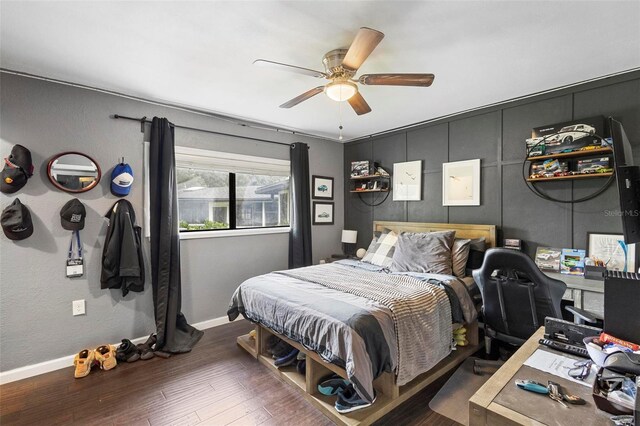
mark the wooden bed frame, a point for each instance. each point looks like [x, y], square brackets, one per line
[389, 395]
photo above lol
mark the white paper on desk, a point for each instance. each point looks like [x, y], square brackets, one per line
[558, 365]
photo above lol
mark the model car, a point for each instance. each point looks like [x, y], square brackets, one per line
[589, 147]
[604, 170]
[561, 173]
[571, 133]
[323, 188]
[593, 169]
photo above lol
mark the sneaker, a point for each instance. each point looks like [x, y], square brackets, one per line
[333, 385]
[146, 348]
[281, 349]
[106, 356]
[127, 352]
[83, 362]
[288, 359]
[349, 400]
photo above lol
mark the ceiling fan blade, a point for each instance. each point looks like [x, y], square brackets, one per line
[366, 40]
[359, 105]
[289, 68]
[424, 80]
[306, 95]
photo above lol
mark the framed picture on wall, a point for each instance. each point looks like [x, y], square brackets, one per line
[322, 187]
[407, 181]
[322, 213]
[461, 183]
[611, 251]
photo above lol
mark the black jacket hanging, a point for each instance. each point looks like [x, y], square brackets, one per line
[122, 261]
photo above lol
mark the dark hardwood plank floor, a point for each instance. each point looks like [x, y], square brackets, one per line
[216, 384]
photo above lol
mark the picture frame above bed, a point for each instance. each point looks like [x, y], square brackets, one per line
[461, 183]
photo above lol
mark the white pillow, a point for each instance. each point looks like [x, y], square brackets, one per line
[380, 252]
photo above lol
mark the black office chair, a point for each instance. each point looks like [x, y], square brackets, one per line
[517, 297]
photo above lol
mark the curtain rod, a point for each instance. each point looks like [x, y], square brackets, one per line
[144, 120]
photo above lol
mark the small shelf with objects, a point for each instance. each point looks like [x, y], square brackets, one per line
[369, 177]
[568, 151]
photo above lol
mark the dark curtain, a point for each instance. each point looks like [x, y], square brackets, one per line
[175, 335]
[300, 234]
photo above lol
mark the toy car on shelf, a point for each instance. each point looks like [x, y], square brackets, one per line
[560, 173]
[605, 170]
[593, 169]
[589, 148]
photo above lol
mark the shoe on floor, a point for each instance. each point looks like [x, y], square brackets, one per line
[301, 366]
[83, 362]
[288, 359]
[349, 400]
[106, 356]
[281, 349]
[333, 385]
[146, 348]
[127, 352]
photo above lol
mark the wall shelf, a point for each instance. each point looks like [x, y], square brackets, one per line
[369, 190]
[584, 176]
[370, 177]
[572, 154]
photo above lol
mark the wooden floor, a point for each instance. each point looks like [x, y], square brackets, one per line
[216, 384]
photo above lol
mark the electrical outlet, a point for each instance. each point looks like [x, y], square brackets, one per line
[77, 307]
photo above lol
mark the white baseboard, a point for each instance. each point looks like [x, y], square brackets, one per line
[67, 361]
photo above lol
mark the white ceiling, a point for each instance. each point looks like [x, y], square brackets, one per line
[200, 54]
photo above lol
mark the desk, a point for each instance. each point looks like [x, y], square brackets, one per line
[499, 402]
[586, 294]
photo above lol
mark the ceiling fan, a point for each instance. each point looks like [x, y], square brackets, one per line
[341, 66]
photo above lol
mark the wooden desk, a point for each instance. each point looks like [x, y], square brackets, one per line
[585, 294]
[498, 402]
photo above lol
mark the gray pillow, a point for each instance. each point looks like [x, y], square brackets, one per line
[428, 252]
[459, 256]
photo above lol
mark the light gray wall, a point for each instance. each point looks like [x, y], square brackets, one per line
[35, 296]
[497, 136]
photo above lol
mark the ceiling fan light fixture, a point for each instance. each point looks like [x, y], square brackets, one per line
[340, 91]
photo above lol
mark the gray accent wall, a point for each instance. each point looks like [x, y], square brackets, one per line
[497, 136]
[36, 324]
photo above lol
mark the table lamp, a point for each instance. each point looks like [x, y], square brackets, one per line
[349, 239]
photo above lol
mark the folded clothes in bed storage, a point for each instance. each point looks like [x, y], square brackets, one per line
[363, 320]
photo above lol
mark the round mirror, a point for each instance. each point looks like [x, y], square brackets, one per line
[73, 172]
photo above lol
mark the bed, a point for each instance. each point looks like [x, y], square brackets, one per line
[363, 323]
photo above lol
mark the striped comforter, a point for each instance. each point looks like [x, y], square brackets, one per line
[366, 321]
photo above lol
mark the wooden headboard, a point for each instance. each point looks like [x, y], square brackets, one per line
[462, 230]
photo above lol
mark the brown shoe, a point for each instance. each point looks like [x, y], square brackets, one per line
[83, 362]
[106, 356]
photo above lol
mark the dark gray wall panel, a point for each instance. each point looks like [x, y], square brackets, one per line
[430, 209]
[597, 215]
[358, 216]
[475, 137]
[496, 136]
[488, 212]
[532, 219]
[518, 122]
[431, 145]
[387, 151]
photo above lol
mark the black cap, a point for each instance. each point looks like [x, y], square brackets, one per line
[16, 221]
[72, 215]
[17, 169]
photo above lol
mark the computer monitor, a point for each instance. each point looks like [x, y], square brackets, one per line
[628, 178]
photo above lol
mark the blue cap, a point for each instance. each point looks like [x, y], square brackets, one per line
[121, 179]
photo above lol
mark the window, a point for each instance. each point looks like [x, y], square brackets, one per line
[227, 191]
